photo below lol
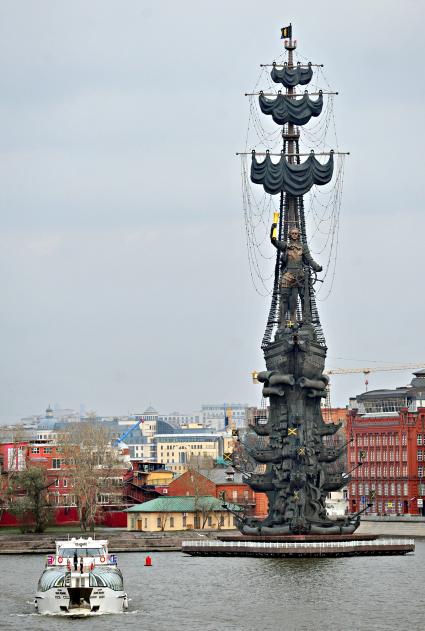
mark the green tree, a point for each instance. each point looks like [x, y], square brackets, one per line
[27, 499]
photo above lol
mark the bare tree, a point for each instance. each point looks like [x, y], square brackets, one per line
[92, 466]
[204, 502]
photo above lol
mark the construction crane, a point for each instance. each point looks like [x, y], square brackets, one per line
[120, 439]
[229, 456]
[367, 371]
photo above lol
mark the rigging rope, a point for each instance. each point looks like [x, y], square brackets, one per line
[323, 205]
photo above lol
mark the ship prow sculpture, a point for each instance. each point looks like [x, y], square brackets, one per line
[299, 465]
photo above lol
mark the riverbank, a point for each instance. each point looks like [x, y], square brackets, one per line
[126, 541]
[119, 541]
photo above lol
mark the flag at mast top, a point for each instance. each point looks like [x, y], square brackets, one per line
[286, 32]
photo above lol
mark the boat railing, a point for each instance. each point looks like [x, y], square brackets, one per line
[88, 562]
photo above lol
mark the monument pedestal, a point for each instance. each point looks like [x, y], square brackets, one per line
[299, 546]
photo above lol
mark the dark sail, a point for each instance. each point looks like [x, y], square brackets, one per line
[296, 179]
[290, 77]
[285, 109]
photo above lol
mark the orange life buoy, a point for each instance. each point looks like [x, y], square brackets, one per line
[60, 559]
[68, 564]
[102, 559]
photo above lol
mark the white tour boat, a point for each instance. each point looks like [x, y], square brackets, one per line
[80, 579]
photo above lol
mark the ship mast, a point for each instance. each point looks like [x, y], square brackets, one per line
[290, 138]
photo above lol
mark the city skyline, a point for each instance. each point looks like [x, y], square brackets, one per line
[123, 259]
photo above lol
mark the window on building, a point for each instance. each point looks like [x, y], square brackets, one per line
[378, 455]
[221, 522]
[379, 487]
[146, 522]
[353, 488]
[405, 488]
[420, 471]
[35, 450]
[391, 471]
[396, 440]
[158, 522]
[398, 488]
[419, 439]
[57, 482]
[391, 437]
[65, 483]
[360, 488]
[378, 440]
[379, 471]
[384, 471]
[419, 454]
[372, 440]
[171, 522]
[209, 521]
[386, 488]
[56, 463]
[184, 520]
[404, 471]
[372, 471]
[392, 488]
[47, 450]
[404, 438]
[384, 440]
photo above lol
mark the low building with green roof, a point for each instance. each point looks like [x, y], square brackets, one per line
[167, 514]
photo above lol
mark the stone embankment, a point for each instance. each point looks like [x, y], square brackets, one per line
[119, 541]
[125, 541]
[392, 526]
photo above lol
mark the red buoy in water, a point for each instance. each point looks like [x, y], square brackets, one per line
[148, 561]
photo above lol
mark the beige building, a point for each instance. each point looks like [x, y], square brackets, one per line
[176, 450]
[167, 514]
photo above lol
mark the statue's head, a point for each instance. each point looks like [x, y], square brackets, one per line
[294, 234]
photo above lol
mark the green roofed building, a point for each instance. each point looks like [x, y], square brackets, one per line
[165, 514]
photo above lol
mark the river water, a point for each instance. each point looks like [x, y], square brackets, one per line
[182, 593]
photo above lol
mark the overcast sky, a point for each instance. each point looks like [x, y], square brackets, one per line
[123, 268]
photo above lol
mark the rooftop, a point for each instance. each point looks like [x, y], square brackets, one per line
[187, 504]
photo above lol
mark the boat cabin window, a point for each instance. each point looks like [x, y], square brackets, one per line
[81, 552]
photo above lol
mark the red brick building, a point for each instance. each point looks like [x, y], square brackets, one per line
[225, 483]
[387, 432]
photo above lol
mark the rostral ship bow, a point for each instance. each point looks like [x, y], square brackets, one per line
[298, 461]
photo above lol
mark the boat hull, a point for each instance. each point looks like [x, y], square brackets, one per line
[80, 602]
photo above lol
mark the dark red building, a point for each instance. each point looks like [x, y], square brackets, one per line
[387, 433]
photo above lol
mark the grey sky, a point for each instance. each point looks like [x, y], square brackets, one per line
[123, 262]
